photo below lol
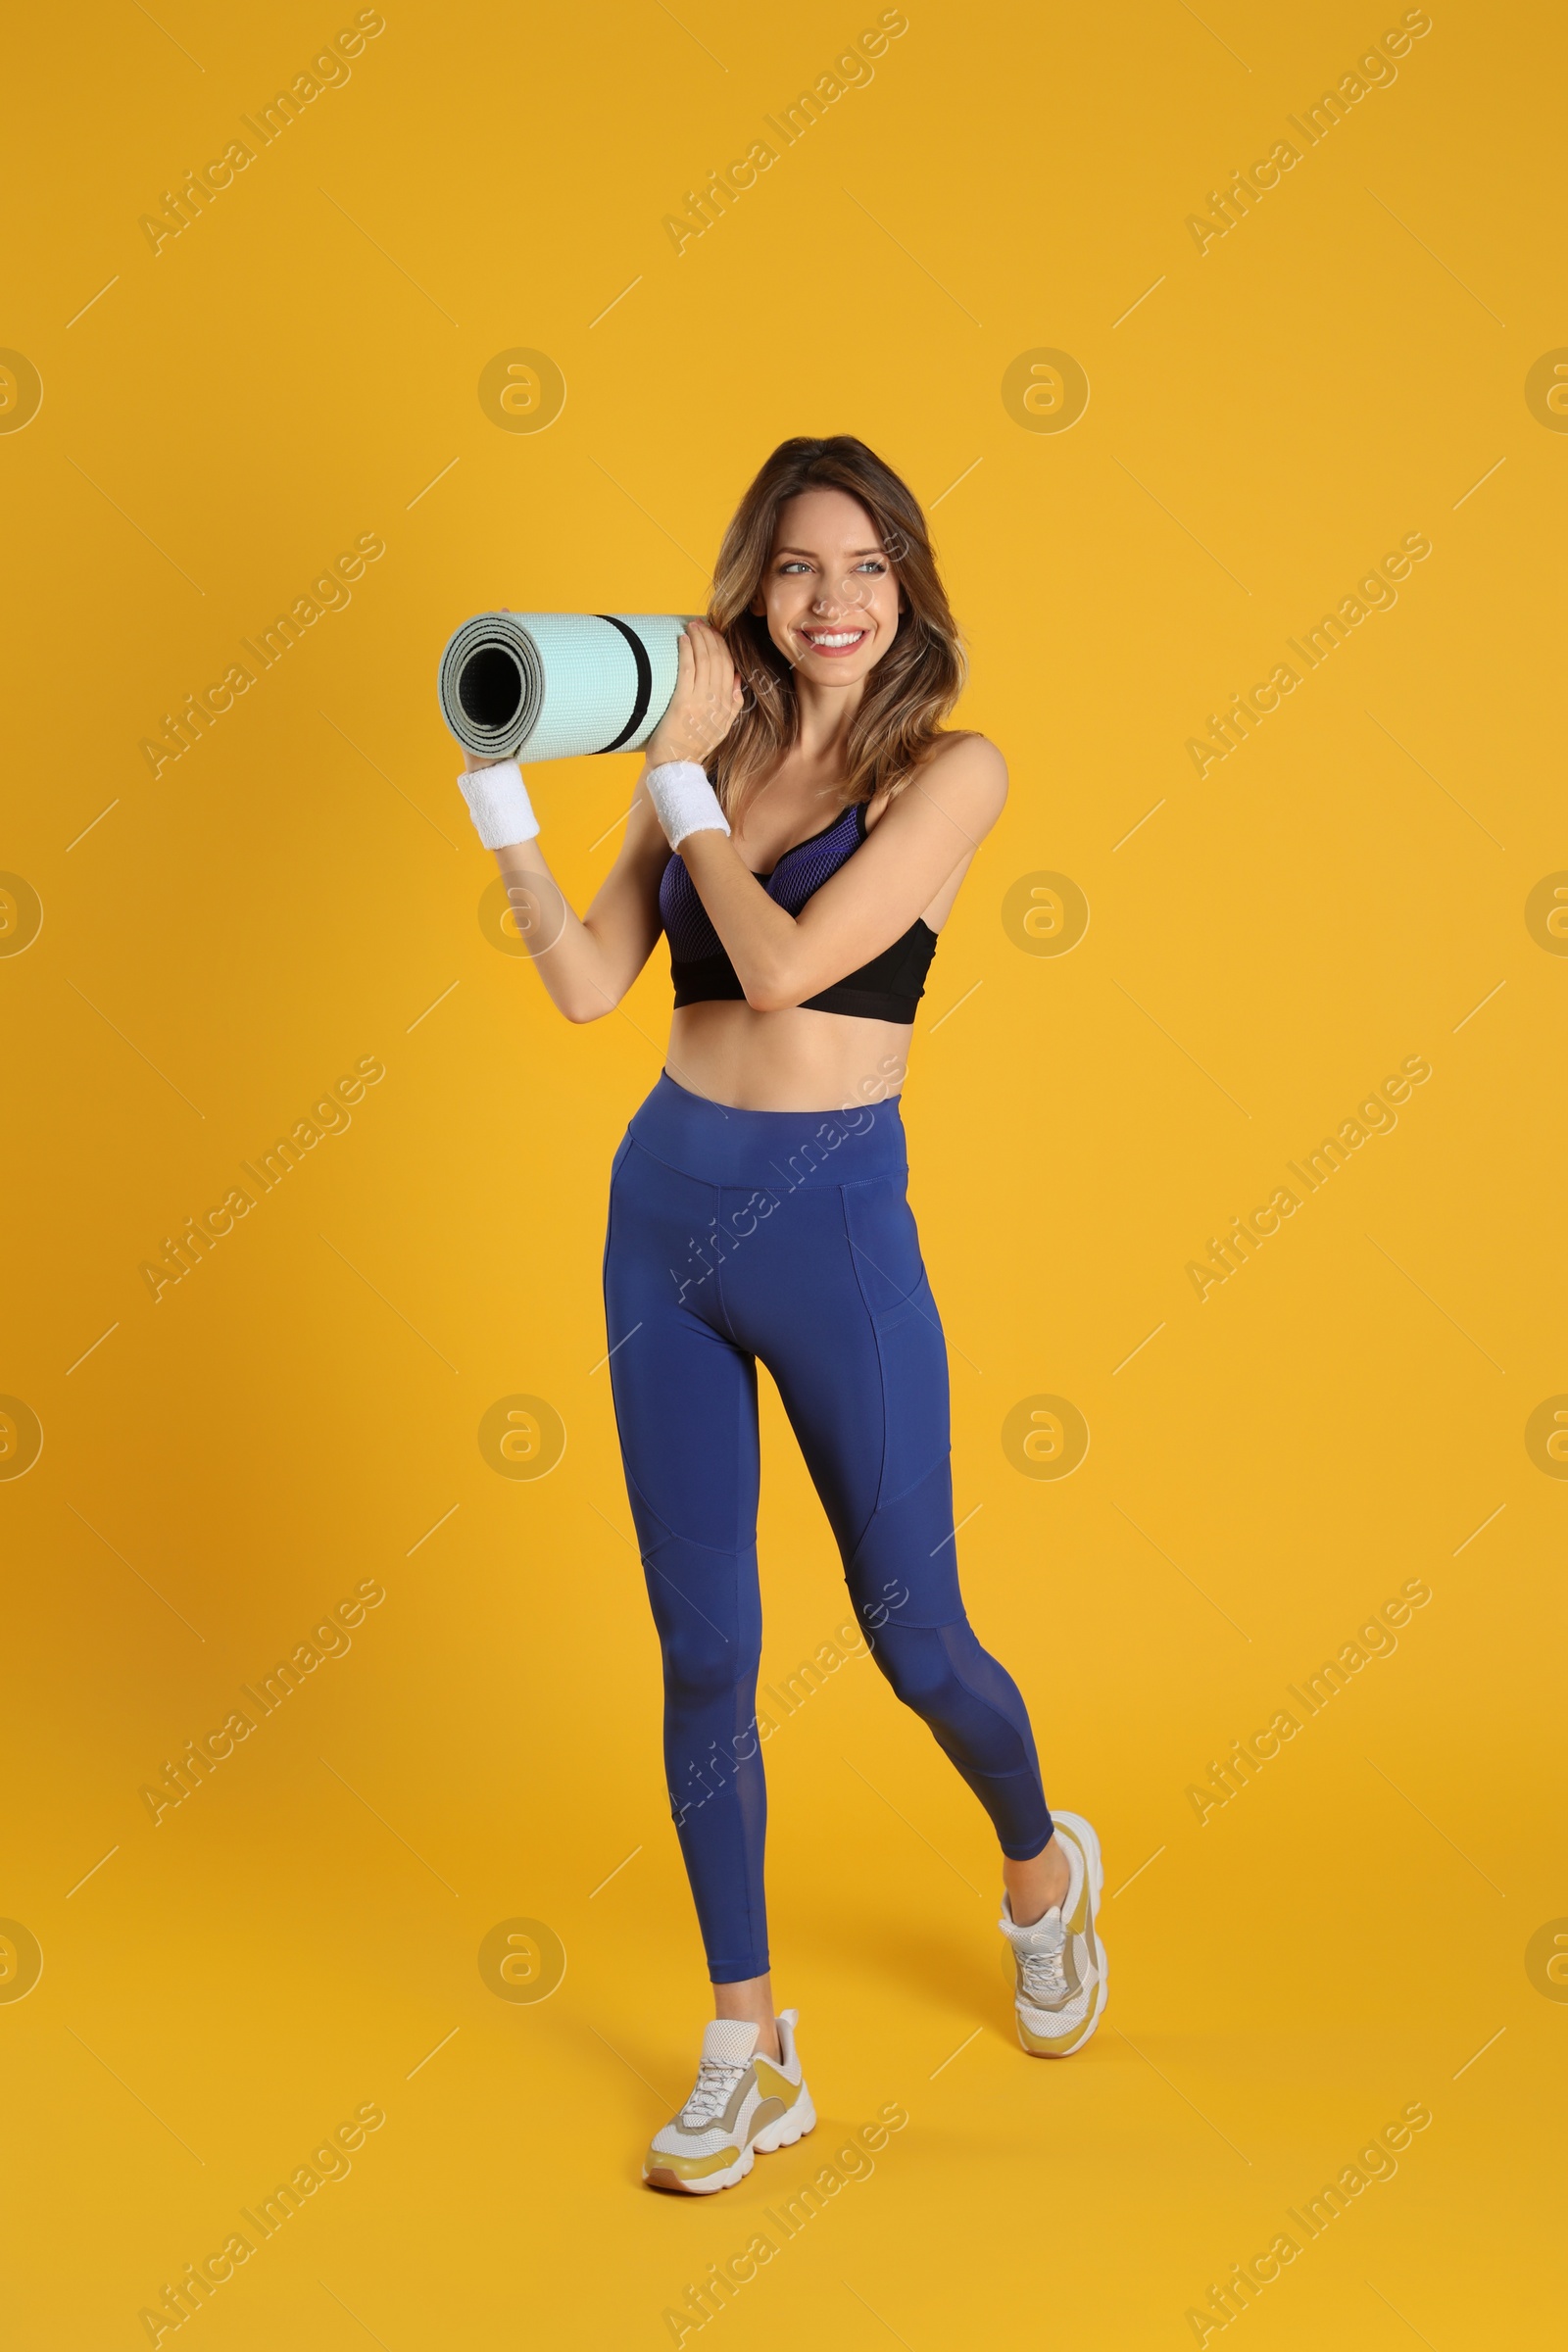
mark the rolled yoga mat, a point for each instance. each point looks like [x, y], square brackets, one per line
[557, 685]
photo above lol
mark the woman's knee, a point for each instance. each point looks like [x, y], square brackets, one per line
[954, 1684]
[916, 1661]
[703, 1666]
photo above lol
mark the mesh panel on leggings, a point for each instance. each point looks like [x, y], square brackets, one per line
[976, 1714]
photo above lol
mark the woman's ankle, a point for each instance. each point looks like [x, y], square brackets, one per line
[751, 2001]
[1037, 1885]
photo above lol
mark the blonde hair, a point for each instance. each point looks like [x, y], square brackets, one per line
[911, 689]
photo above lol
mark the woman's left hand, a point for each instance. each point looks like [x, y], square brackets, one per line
[706, 704]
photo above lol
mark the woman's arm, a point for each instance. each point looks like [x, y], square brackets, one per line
[588, 962]
[934, 826]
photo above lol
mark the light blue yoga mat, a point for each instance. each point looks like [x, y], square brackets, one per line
[557, 685]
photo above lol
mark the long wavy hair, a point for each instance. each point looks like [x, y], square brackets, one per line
[913, 687]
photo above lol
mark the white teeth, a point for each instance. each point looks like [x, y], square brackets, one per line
[844, 637]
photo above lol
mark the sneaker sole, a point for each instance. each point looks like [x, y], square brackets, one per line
[1038, 2047]
[782, 2133]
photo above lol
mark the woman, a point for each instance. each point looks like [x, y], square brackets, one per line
[799, 832]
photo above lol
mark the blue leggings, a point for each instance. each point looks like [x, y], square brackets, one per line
[739, 1235]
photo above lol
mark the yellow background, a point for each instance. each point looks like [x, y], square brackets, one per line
[296, 892]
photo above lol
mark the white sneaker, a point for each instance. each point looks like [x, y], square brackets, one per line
[741, 2105]
[1061, 1961]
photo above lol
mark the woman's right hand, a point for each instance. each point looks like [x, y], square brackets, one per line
[706, 702]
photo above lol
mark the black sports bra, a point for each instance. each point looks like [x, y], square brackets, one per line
[887, 989]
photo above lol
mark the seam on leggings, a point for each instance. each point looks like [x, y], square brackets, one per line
[722, 1551]
[742, 1428]
[638, 1144]
[898, 1313]
[882, 1376]
[856, 1251]
[854, 1257]
[754, 1942]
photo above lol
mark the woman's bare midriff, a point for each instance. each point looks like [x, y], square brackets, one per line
[793, 1061]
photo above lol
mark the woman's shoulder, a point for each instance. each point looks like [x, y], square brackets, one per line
[968, 766]
[967, 744]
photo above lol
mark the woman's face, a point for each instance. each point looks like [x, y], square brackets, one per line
[830, 595]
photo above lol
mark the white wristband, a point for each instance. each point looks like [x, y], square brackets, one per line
[499, 804]
[684, 801]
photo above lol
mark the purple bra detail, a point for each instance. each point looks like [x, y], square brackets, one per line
[799, 873]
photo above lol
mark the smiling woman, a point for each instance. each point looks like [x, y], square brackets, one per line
[800, 833]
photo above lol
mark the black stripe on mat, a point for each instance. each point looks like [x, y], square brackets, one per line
[645, 682]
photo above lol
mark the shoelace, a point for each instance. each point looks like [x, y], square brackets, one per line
[1044, 1977]
[716, 2077]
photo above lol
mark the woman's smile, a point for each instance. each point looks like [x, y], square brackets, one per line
[834, 643]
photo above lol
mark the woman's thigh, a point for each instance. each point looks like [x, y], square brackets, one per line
[832, 1295]
[685, 1400]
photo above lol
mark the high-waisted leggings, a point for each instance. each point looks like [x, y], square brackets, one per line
[786, 1237]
